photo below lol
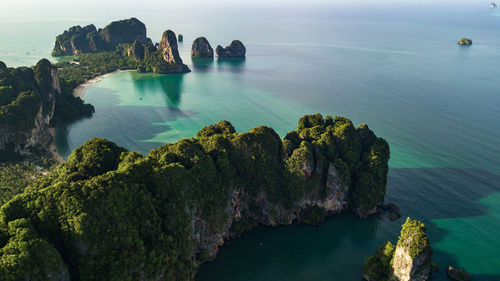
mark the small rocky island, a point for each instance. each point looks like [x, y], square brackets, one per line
[410, 259]
[180, 38]
[201, 48]
[493, 5]
[465, 42]
[458, 274]
[235, 50]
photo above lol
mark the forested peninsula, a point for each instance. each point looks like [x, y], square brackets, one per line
[110, 214]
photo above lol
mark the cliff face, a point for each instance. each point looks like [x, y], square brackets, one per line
[26, 118]
[170, 53]
[201, 48]
[113, 214]
[78, 40]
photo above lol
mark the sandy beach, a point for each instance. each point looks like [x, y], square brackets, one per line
[80, 90]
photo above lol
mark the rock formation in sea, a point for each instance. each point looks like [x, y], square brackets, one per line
[409, 260]
[27, 103]
[458, 274]
[110, 214]
[465, 42]
[78, 40]
[180, 38]
[201, 48]
[170, 53]
[235, 49]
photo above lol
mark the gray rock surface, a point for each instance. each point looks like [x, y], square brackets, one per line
[235, 50]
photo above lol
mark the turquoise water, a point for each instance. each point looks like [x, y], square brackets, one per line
[397, 68]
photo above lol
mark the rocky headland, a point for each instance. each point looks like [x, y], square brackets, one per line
[235, 50]
[110, 214]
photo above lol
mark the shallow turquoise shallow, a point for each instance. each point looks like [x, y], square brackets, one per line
[398, 69]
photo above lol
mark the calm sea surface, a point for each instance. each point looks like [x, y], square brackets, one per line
[398, 69]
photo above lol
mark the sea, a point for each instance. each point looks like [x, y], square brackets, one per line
[395, 66]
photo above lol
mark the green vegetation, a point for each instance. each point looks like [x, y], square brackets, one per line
[110, 214]
[379, 266]
[465, 42]
[413, 238]
[16, 176]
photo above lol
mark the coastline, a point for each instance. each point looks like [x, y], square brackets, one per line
[77, 92]
[80, 90]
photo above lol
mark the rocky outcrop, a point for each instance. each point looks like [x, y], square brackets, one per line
[234, 50]
[170, 53]
[413, 254]
[458, 274]
[136, 50]
[78, 40]
[180, 38]
[409, 260]
[201, 48]
[28, 133]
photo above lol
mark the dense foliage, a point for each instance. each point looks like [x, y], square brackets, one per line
[110, 214]
[413, 238]
[379, 266]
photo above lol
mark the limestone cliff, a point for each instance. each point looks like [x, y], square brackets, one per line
[170, 53]
[413, 254]
[201, 48]
[27, 115]
[234, 50]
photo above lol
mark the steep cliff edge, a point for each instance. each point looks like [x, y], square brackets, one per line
[409, 260]
[111, 214]
[170, 53]
[27, 105]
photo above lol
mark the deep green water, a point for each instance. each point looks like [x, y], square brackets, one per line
[398, 69]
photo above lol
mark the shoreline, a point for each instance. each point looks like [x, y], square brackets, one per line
[53, 148]
[77, 92]
[80, 90]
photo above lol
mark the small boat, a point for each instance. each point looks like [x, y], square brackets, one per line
[493, 5]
